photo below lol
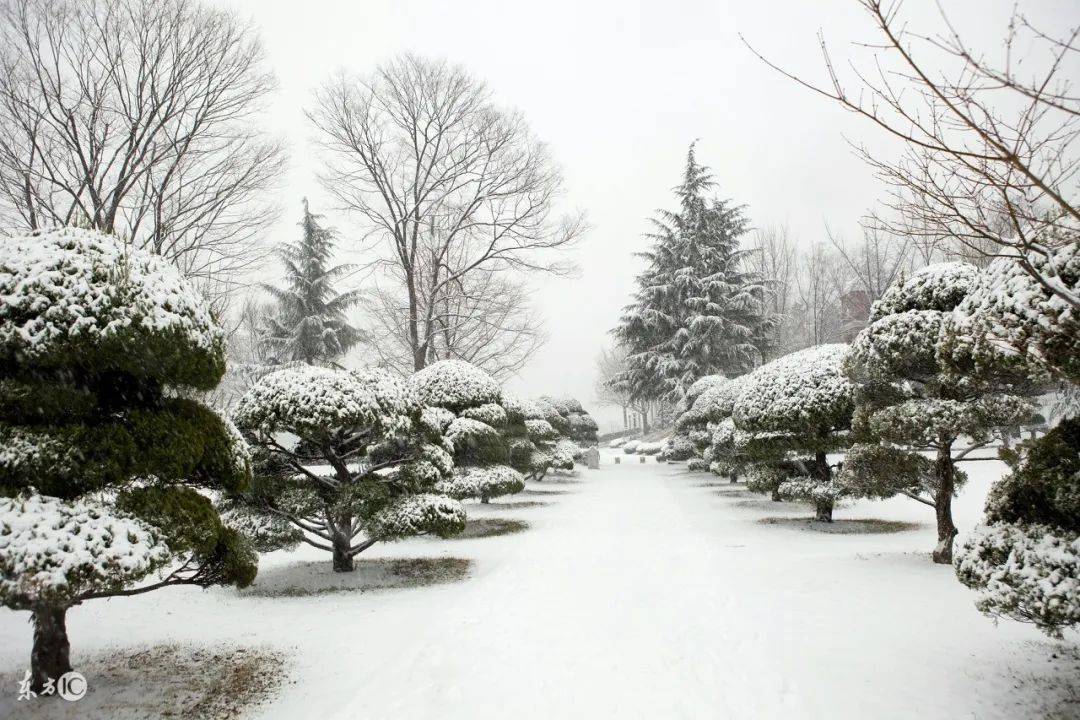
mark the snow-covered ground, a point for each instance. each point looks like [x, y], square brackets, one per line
[637, 591]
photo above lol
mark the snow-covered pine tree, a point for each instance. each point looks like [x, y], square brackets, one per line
[529, 438]
[909, 401]
[723, 455]
[310, 325]
[466, 403]
[1025, 560]
[698, 309]
[348, 459]
[104, 455]
[794, 411]
[692, 434]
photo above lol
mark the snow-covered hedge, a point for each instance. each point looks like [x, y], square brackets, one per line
[77, 298]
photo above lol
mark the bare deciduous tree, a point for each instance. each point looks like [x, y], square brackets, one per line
[819, 283]
[138, 117]
[983, 140]
[773, 258]
[445, 182]
[484, 317]
[610, 365]
[875, 261]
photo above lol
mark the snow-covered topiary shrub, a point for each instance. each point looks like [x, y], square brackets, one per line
[338, 451]
[651, 448]
[693, 427]
[795, 410]
[455, 385]
[1025, 562]
[630, 446]
[912, 399]
[101, 455]
[482, 433]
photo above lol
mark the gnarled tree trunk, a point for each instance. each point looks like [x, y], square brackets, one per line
[342, 543]
[945, 472]
[49, 659]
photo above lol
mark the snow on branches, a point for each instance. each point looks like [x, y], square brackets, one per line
[423, 513]
[793, 411]
[455, 385]
[1030, 573]
[307, 400]
[80, 298]
[366, 445]
[52, 551]
[913, 393]
[804, 392]
[1008, 312]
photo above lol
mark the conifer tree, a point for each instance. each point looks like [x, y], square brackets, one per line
[1024, 560]
[104, 455]
[698, 310]
[911, 400]
[311, 326]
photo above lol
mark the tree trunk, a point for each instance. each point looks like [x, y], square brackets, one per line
[776, 495]
[342, 542]
[645, 421]
[733, 478]
[485, 499]
[945, 472]
[49, 658]
[823, 508]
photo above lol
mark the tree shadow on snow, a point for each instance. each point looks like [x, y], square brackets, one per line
[220, 681]
[489, 527]
[843, 526]
[538, 492]
[512, 505]
[318, 578]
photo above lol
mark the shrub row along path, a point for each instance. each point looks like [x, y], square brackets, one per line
[637, 591]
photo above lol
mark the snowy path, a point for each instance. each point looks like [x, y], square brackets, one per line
[637, 592]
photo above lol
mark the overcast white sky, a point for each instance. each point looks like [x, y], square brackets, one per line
[618, 90]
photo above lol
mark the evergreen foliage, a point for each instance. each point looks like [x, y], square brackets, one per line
[914, 396]
[1024, 562]
[792, 413]
[697, 310]
[310, 325]
[101, 456]
[468, 404]
[343, 461]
